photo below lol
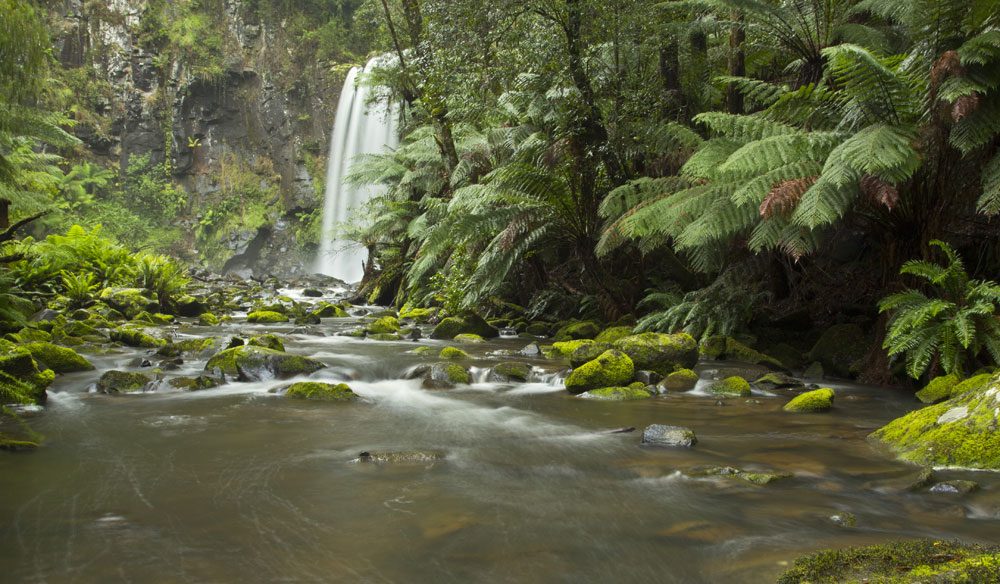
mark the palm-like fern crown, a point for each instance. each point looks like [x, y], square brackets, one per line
[815, 152]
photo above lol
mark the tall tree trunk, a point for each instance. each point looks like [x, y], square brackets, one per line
[737, 63]
[4, 214]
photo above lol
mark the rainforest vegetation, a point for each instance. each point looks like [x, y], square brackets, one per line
[634, 187]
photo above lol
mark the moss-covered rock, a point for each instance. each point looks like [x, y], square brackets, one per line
[383, 325]
[153, 319]
[511, 371]
[112, 382]
[421, 315]
[446, 376]
[385, 337]
[903, 562]
[754, 477]
[28, 335]
[963, 431]
[586, 329]
[777, 381]
[315, 390]
[470, 323]
[839, 348]
[628, 393]
[453, 353]
[611, 369]
[56, 358]
[269, 341]
[537, 329]
[938, 389]
[669, 436]
[135, 337]
[128, 301]
[586, 352]
[734, 386]
[329, 310]
[249, 363]
[194, 383]
[819, 400]
[469, 338]
[75, 328]
[567, 348]
[20, 373]
[722, 347]
[973, 383]
[266, 316]
[208, 319]
[660, 352]
[610, 335]
[680, 380]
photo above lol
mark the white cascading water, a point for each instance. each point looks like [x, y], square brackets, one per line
[357, 129]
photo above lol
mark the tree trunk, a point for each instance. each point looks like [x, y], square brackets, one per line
[4, 214]
[737, 63]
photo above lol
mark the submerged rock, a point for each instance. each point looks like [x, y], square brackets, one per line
[673, 436]
[611, 369]
[956, 487]
[632, 392]
[903, 562]
[401, 457]
[249, 363]
[315, 390]
[963, 431]
[112, 382]
[819, 400]
[56, 358]
[660, 352]
[754, 477]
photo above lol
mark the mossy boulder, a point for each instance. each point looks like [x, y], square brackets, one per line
[610, 335]
[153, 319]
[567, 348]
[660, 352]
[329, 310]
[573, 331]
[208, 319]
[963, 431]
[187, 347]
[446, 376]
[938, 389]
[760, 478]
[973, 383]
[777, 381]
[469, 338]
[128, 301]
[250, 363]
[840, 348]
[421, 315]
[21, 374]
[135, 337]
[903, 562]
[734, 386]
[628, 393]
[537, 329]
[470, 323]
[112, 382]
[722, 347]
[314, 390]
[819, 400]
[611, 369]
[197, 383]
[28, 335]
[680, 380]
[587, 352]
[383, 325]
[56, 358]
[269, 341]
[453, 353]
[511, 371]
[76, 328]
[385, 337]
[266, 316]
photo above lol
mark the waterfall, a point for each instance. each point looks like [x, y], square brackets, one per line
[357, 129]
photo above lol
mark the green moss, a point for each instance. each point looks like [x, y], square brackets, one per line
[453, 353]
[252, 363]
[721, 347]
[315, 390]
[777, 380]
[586, 329]
[383, 325]
[75, 329]
[208, 319]
[420, 350]
[567, 348]
[474, 324]
[660, 352]
[266, 316]
[112, 382]
[819, 400]
[680, 380]
[611, 369]
[537, 329]
[128, 301]
[734, 386]
[21, 376]
[513, 370]
[329, 310]
[421, 315]
[28, 335]
[938, 389]
[269, 341]
[194, 383]
[629, 393]
[962, 431]
[385, 337]
[457, 374]
[903, 562]
[153, 319]
[56, 358]
[610, 335]
[134, 337]
[975, 382]
[469, 338]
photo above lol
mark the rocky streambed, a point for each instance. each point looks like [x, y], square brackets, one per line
[297, 438]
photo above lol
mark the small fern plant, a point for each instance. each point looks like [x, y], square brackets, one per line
[949, 329]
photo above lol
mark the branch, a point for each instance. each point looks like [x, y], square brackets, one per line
[9, 234]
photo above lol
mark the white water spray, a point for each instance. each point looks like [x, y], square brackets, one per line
[357, 129]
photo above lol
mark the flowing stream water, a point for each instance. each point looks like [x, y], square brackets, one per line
[239, 484]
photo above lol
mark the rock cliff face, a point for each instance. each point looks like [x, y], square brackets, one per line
[245, 110]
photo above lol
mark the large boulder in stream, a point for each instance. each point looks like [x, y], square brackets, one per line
[56, 358]
[634, 391]
[115, 382]
[611, 369]
[660, 352]
[129, 301]
[818, 400]
[20, 374]
[315, 390]
[470, 323]
[670, 436]
[446, 376]
[252, 363]
[963, 431]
